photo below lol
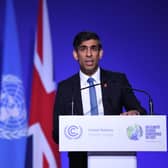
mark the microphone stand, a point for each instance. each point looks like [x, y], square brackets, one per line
[72, 107]
[151, 109]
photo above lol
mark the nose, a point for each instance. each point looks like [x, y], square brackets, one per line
[89, 52]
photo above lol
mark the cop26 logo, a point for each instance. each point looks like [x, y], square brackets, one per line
[73, 131]
[13, 117]
[134, 132]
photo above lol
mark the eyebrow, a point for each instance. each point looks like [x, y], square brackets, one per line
[89, 46]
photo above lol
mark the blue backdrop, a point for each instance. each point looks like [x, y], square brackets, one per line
[135, 39]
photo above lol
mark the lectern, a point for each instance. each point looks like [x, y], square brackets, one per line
[112, 141]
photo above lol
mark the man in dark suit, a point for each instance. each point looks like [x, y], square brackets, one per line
[113, 90]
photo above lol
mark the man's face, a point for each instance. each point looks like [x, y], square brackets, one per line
[88, 55]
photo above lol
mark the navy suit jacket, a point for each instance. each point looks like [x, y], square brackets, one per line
[115, 95]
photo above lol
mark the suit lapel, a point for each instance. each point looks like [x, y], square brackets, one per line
[107, 81]
[78, 110]
[105, 91]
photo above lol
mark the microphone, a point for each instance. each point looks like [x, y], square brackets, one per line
[104, 84]
[87, 87]
[151, 109]
[72, 98]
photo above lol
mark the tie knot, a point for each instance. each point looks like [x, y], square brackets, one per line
[90, 81]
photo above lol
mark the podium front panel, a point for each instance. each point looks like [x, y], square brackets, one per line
[112, 133]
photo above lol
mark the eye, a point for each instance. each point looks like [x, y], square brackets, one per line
[82, 48]
[94, 48]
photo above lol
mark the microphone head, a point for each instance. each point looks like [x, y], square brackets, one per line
[104, 85]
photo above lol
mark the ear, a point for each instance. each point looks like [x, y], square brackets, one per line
[100, 54]
[75, 55]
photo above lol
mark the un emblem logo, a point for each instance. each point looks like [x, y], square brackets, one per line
[13, 117]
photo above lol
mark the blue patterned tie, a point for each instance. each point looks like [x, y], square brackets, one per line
[93, 99]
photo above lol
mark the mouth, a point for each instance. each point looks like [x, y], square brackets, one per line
[89, 62]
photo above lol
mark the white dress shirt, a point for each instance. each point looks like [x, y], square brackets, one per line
[85, 92]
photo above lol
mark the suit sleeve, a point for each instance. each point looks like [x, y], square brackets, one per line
[58, 108]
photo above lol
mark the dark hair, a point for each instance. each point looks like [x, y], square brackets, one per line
[84, 36]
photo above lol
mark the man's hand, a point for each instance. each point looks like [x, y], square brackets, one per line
[131, 112]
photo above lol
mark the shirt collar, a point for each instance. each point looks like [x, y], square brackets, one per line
[84, 78]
